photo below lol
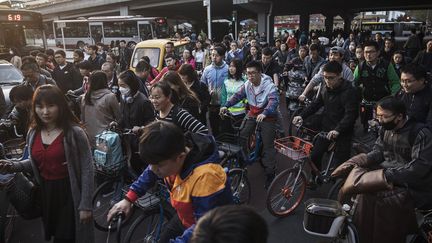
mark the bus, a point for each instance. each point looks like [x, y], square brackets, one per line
[22, 29]
[106, 29]
[400, 29]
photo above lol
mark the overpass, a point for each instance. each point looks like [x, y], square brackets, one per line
[194, 11]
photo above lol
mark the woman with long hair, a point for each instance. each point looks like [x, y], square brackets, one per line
[189, 76]
[99, 106]
[232, 84]
[161, 97]
[136, 108]
[201, 56]
[182, 95]
[61, 161]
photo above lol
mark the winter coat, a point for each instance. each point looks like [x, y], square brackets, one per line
[340, 108]
[104, 110]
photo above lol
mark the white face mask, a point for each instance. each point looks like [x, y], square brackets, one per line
[124, 91]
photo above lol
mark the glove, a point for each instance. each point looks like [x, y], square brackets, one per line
[362, 181]
[345, 168]
[7, 167]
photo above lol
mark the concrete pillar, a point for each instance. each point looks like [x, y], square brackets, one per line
[124, 10]
[304, 22]
[262, 22]
[347, 23]
[271, 30]
[329, 24]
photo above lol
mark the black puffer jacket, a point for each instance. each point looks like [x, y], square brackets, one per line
[407, 165]
[419, 105]
[340, 108]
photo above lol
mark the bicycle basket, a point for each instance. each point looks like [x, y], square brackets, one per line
[323, 217]
[293, 147]
[13, 149]
[112, 170]
[153, 198]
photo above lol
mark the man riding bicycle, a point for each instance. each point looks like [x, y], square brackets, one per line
[339, 99]
[263, 99]
[393, 178]
[375, 77]
[188, 165]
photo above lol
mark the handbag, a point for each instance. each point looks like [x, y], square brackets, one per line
[25, 196]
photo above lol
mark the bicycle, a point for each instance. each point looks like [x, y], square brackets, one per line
[13, 149]
[117, 177]
[328, 219]
[289, 186]
[156, 212]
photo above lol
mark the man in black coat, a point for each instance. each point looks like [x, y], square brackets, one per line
[340, 102]
[416, 94]
[65, 74]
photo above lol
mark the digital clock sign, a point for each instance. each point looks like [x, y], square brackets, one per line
[18, 17]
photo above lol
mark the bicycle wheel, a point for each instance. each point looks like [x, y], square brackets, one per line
[103, 199]
[286, 192]
[349, 234]
[231, 162]
[148, 226]
[240, 186]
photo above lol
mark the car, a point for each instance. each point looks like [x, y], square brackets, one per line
[10, 76]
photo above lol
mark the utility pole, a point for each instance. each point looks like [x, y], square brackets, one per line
[207, 3]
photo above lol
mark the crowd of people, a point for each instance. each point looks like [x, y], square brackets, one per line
[176, 113]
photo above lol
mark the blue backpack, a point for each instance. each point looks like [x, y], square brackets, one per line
[108, 154]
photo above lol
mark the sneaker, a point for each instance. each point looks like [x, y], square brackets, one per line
[269, 180]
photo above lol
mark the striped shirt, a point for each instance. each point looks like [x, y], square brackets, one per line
[184, 120]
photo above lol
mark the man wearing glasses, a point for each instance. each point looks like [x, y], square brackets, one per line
[65, 74]
[340, 102]
[416, 94]
[263, 99]
[376, 77]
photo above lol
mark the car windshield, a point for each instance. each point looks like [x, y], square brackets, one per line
[10, 75]
[152, 53]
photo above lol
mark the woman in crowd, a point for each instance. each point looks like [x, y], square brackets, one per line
[190, 78]
[61, 161]
[99, 106]
[231, 85]
[78, 57]
[161, 96]
[136, 109]
[187, 58]
[253, 55]
[201, 56]
[182, 95]
[111, 58]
